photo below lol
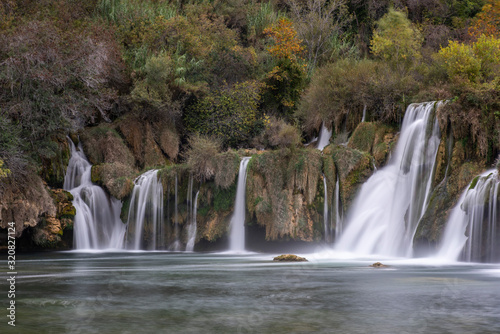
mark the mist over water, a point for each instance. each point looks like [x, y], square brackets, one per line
[154, 292]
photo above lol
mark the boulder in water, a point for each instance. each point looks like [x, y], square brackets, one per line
[289, 258]
[378, 265]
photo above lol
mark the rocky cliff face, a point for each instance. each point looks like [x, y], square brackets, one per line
[42, 215]
[458, 163]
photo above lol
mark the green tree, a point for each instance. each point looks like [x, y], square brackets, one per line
[230, 114]
[396, 40]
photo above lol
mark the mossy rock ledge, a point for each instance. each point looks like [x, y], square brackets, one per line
[289, 258]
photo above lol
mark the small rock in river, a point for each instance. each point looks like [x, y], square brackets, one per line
[289, 258]
[378, 265]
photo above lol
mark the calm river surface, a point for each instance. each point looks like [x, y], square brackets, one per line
[68, 292]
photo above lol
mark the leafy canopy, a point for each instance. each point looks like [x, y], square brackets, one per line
[396, 39]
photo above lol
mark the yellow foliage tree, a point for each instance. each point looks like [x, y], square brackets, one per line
[479, 61]
[286, 80]
[396, 39]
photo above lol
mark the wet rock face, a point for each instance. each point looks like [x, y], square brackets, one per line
[54, 168]
[289, 258]
[376, 139]
[453, 175]
[354, 168]
[283, 194]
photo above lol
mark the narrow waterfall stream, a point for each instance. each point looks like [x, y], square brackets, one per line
[386, 212]
[145, 218]
[192, 227]
[237, 226]
[97, 222]
[473, 227]
[176, 246]
[338, 211]
[324, 137]
[325, 211]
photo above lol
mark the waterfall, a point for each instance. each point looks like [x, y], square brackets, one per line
[324, 137]
[364, 114]
[97, 222]
[237, 225]
[145, 217]
[472, 229]
[177, 244]
[338, 210]
[385, 214]
[325, 210]
[192, 227]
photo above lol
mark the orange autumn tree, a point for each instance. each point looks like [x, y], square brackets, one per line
[487, 22]
[285, 82]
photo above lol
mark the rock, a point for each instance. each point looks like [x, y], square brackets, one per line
[289, 258]
[378, 265]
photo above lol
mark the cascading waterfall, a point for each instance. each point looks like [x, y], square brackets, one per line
[237, 225]
[192, 227]
[338, 210]
[145, 218]
[97, 222]
[473, 227]
[364, 114]
[324, 137]
[385, 214]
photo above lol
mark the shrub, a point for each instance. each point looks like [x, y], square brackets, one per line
[277, 133]
[201, 156]
[478, 62]
[460, 61]
[231, 114]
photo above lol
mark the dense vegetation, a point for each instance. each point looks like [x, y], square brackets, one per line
[251, 73]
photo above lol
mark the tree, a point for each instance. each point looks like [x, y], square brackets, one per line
[285, 82]
[460, 61]
[487, 22]
[231, 114]
[478, 62]
[396, 40]
[317, 22]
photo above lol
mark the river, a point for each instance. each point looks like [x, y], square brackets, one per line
[160, 292]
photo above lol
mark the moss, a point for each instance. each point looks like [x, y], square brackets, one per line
[474, 182]
[53, 166]
[68, 211]
[224, 198]
[363, 137]
[354, 168]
